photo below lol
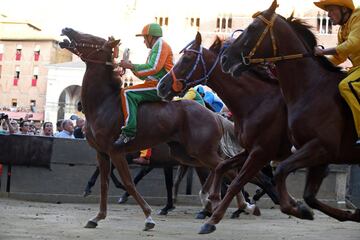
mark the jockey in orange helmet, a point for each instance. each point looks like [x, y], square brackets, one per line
[343, 13]
[159, 62]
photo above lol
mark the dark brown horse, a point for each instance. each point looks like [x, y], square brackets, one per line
[258, 111]
[322, 128]
[180, 124]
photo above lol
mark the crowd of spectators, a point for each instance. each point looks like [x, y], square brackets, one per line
[65, 128]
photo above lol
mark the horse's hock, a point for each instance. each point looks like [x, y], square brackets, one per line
[72, 162]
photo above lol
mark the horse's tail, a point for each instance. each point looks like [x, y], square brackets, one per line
[229, 143]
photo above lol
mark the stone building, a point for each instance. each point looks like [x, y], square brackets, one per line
[25, 50]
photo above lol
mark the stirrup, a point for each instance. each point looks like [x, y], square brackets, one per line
[123, 139]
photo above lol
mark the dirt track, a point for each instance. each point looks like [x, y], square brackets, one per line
[33, 220]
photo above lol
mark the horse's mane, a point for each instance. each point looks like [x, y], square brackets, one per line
[304, 32]
[260, 70]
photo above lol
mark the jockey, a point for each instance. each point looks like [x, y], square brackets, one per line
[343, 13]
[159, 62]
[192, 94]
[212, 101]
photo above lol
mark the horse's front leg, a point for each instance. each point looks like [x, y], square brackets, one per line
[123, 168]
[104, 167]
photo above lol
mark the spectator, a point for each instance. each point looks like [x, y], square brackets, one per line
[6, 126]
[58, 127]
[78, 132]
[24, 127]
[68, 129]
[47, 129]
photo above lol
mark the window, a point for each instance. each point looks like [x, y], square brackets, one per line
[324, 25]
[16, 76]
[37, 53]
[1, 51]
[33, 105]
[194, 22]
[14, 102]
[35, 77]
[18, 52]
[224, 24]
[162, 21]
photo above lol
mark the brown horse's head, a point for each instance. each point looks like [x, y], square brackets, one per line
[254, 42]
[88, 47]
[191, 69]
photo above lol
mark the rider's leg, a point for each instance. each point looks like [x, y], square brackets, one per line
[350, 90]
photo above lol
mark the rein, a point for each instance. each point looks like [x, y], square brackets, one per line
[178, 83]
[97, 48]
[247, 60]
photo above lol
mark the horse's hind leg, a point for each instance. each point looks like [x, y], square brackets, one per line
[310, 155]
[124, 172]
[231, 163]
[140, 175]
[168, 172]
[314, 178]
[180, 173]
[91, 182]
[104, 167]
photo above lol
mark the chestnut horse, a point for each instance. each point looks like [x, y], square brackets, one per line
[321, 125]
[258, 110]
[179, 123]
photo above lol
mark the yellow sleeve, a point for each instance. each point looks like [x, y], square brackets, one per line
[190, 94]
[352, 44]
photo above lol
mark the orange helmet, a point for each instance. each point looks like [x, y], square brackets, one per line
[342, 3]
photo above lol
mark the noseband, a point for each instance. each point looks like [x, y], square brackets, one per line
[247, 60]
[178, 84]
[97, 48]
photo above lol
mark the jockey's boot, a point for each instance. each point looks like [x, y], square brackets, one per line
[141, 161]
[122, 140]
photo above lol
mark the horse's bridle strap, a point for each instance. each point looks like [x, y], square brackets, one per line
[269, 27]
[279, 58]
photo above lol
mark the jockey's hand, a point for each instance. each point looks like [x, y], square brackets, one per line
[126, 64]
[318, 51]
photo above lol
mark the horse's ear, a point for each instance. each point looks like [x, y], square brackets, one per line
[198, 38]
[273, 6]
[291, 16]
[216, 46]
[111, 38]
[113, 43]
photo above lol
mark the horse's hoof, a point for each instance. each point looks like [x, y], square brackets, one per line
[122, 200]
[305, 212]
[165, 210]
[203, 214]
[87, 192]
[237, 213]
[148, 226]
[91, 224]
[207, 228]
[256, 211]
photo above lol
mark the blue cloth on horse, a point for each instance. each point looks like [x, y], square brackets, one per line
[210, 98]
[214, 101]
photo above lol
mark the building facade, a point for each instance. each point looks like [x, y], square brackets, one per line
[25, 51]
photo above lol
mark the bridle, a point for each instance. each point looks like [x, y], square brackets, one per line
[178, 84]
[97, 48]
[247, 60]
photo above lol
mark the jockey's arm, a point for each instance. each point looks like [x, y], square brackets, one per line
[155, 63]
